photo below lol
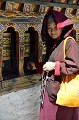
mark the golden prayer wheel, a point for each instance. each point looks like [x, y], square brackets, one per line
[6, 46]
[27, 45]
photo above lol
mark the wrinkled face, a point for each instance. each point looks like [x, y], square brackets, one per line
[53, 31]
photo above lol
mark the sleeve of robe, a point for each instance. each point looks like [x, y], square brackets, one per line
[39, 67]
[71, 63]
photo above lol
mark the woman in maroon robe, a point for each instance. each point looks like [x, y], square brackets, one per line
[56, 27]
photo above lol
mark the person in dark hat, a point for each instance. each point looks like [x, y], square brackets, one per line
[56, 27]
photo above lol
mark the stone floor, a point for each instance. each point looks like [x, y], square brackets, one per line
[21, 105]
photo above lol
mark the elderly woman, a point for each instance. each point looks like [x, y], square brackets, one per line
[56, 27]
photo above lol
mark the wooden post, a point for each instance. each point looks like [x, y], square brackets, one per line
[21, 59]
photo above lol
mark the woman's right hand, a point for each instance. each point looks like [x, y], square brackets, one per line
[48, 66]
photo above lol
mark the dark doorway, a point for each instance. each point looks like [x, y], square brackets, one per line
[29, 60]
[11, 60]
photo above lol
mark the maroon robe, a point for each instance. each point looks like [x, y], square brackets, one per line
[70, 65]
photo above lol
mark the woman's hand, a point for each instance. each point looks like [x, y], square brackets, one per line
[48, 66]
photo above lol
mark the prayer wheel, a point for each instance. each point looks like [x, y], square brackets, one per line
[27, 45]
[6, 46]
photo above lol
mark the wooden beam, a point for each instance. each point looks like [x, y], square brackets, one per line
[45, 3]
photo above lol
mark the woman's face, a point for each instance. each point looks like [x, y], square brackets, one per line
[53, 31]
